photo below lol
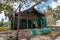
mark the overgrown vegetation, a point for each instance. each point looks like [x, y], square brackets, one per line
[53, 15]
[5, 7]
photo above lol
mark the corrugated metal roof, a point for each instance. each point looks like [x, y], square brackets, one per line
[25, 6]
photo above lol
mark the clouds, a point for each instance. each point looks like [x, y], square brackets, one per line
[42, 7]
[2, 16]
[50, 3]
[54, 5]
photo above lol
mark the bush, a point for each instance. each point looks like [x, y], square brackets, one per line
[4, 29]
[1, 24]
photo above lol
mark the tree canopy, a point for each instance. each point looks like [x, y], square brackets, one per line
[5, 7]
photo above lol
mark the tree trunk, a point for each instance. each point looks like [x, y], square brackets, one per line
[18, 20]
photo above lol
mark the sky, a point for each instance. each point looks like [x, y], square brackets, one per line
[55, 4]
[42, 6]
[2, 16]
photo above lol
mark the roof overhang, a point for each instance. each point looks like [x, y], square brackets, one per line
[25, 7]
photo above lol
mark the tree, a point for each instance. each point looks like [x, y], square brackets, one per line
[58, 12]
[1, 24]
[49, 10]
[53, 14]
[58, 9]
[8, 11]
[50, 16]
[6, 8]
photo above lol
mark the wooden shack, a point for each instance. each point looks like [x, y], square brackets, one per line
[28, 18]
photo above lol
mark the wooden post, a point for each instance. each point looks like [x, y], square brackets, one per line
[18, 21]
[36, 24]
[27, 23]
[10, 23]
[31, 24]
[13, 20]
[19, 17]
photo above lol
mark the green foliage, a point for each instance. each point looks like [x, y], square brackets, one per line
[49, 9]
[51, 19]
[1, 8]
[4, 29]
[55, 13]
[58, 9]
[1, 24]
[5, 7]
[9, 8]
